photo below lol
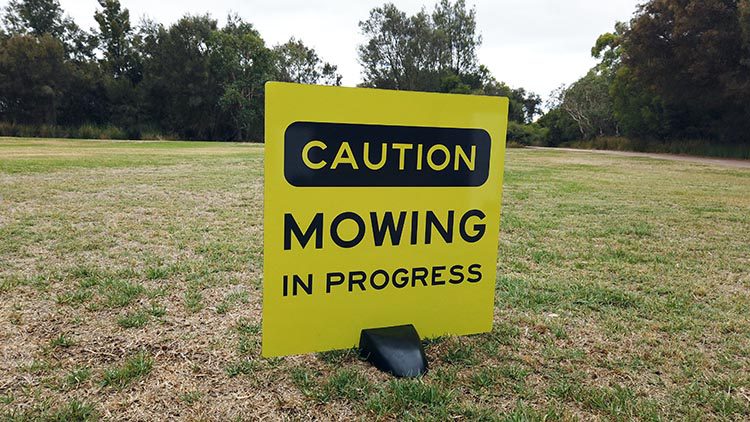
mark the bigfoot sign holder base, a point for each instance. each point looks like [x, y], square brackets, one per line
[396, 350]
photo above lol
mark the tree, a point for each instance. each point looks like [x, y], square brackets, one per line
[433, 52]
[679, 70]
[205, 82]
[121, 68]
[33, 79]
[523, 106]
[423, 52]
[744, 16]
[639, 112]
[456, 37]
[694, 55]
[400, 50]
[295, 62]
[45, 17]
[529, 103]
[242, 62]
[560, 127]
[35, 17]
[199, 81]
[608, 48]
[86, 98]
[182, 92]
[588, 103]
[115, 36]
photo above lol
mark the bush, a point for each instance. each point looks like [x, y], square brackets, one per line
[531, 134]
[86, 131]
[8, 129]
[112, 132]
[153, 133]
[562, 128]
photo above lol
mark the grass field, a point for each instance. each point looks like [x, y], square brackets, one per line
[130, 288]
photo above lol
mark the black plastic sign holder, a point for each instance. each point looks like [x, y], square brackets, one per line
[396, 350]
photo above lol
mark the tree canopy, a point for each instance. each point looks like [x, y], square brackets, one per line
[680, 69]
[195, 79]
[192, 79]
[434, 52]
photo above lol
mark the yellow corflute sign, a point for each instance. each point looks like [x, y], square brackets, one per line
[382, 208]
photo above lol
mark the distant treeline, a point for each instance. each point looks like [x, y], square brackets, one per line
[191, 80]
[197, 80]
[676, 78]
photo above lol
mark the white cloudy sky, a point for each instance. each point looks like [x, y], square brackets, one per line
[535, 44]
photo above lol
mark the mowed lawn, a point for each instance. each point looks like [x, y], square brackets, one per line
[131, 287]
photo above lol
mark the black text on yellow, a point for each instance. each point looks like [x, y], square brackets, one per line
[386, 228]
[338, 154]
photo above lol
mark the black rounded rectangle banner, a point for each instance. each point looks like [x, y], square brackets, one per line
[342, 154]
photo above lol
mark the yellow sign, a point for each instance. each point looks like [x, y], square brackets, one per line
[382, 208]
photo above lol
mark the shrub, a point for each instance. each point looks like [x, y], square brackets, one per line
[530, 134]
[86, 131]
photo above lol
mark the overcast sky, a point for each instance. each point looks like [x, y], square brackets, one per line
[535, 44]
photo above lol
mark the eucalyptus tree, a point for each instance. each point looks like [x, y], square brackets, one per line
[296, 62]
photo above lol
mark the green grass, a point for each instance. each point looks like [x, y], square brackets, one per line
[72, 411]
[412, 399]
[76, 377]
[134, 367]
[157, 311]
[249, 337]
[62, 341]
[346, 384]
[193, 299]
[242, 367]
[338, 357]
[191, 397]
[120, 293]
[231, 300]
[460, 352]
[131, 275]
[617, 402]
[133, 319]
